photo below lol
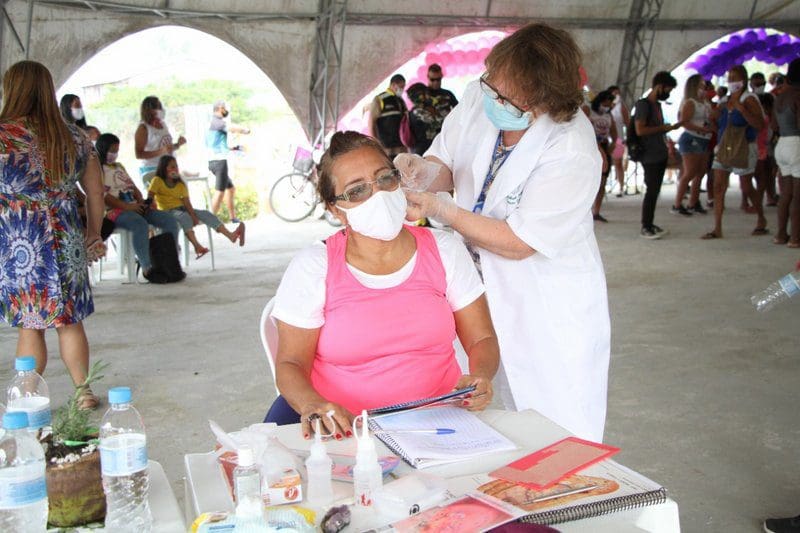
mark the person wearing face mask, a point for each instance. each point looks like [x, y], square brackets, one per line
[367, 318]
[738, 119]
[126, 206]
[152, 139]
[650, 127]
[385, 114]
[758, 83]
[695, 115]
[72, 110]
[526, 170]
[605, 131]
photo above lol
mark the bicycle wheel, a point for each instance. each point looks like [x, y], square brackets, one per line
[293, 197]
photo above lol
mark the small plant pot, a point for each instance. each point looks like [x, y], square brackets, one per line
[75, 491]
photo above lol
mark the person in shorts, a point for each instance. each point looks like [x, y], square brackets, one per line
[217, 144]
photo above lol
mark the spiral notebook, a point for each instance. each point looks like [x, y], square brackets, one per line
[472, 437]
[600, 489]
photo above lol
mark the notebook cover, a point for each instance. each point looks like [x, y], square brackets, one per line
[558, 461]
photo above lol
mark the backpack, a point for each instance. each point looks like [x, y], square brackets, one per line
[164, 258]
[406, 134]
[633, 141]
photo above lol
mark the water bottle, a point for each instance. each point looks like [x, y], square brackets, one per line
[23, 488]
[28, 392]
[123, 462]
[247, 484]
[777, 292]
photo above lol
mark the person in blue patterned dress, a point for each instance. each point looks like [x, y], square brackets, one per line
[43, 245]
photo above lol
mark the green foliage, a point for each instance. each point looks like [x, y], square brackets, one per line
[174, 93]
[70, 422]
[245, 202]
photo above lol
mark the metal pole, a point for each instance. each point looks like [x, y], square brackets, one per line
[339, 65]
[28, 34]
[3, 47]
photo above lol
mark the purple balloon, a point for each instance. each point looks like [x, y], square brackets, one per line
[751, 36]
[762, 33]
[736, 40]
[773, 40]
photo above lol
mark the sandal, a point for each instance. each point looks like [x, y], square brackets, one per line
[88, 401]
[760, 231]
[792, 244]
[710, 235]
[201, 252]
[780, 240]
[240, 231]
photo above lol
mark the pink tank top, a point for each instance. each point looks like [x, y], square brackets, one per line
[379, 347]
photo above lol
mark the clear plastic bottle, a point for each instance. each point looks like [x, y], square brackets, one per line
[319, 468]
[778, 291]
[367, 474]
[28, 392]
[247, 484]
[23, 488]
[123, 461]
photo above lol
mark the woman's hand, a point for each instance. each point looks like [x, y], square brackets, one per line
[439, 206]
[95, 247]
[481, 397]
[339, 425]
[181, 141]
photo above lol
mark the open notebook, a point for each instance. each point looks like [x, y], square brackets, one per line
[472, 437]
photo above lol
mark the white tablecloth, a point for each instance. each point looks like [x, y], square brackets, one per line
[206, 489]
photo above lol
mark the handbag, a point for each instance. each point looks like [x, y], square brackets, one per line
[733, 149]
[406, 135]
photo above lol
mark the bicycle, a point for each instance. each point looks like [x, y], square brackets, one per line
[294, 196]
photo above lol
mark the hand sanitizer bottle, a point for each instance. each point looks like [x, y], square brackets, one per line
[367, 474]
[319, 467]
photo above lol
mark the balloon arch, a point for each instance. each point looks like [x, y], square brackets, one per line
[761, 44]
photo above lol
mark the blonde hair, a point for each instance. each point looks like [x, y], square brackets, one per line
[29, 93]
[541, 64]
[693, 84]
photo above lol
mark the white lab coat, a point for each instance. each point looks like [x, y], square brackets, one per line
[550, 311]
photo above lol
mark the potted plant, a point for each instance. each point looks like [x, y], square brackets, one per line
[74, 482]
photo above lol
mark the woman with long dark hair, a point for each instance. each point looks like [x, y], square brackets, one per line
[44, 247]
[72, 110]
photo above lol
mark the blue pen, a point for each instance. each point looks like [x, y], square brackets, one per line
[436, 431]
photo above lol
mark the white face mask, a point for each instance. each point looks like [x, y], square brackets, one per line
[160, 114]
[759, 89]
[380, 216]
[77, 113]
[604, 109]
[734, 86]
[111, 157]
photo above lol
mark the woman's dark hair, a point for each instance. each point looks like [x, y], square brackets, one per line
[602, 96]
[541, 64]
[416, 93]
[103, 144]
[149, 104]
[767, 103]
[342, 142]
[65, 105]
[793, 73]
[163, 163]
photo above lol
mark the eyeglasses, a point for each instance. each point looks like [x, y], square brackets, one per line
[494, 94]
[358, 192]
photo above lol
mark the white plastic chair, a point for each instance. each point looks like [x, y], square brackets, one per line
[125, 255]
[268, 330]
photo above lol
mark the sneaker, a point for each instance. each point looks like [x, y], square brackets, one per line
[235, 221]
[650, 233]
[661, 232]
[680, 211]
[699, 209]
[782, 525]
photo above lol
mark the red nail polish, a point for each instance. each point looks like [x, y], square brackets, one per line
[349, 433]
[465, 402]
[469, 395]
[306, 436]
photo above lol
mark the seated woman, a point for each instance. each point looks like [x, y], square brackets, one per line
[172, 196]
[368, 318]
[126, 206]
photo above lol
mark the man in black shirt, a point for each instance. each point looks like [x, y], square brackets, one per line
[651, 129]
[386, 113]
[442, 99]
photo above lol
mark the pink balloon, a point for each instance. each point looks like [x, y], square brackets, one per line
[446, 58]
[473, 57]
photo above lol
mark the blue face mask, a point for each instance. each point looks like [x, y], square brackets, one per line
[502, 118]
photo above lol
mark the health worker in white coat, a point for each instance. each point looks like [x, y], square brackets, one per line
[525, 168]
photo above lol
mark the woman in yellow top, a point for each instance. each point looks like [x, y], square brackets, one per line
[172, 195]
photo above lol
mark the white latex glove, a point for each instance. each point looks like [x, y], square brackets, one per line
[417, 173]
[440, 206]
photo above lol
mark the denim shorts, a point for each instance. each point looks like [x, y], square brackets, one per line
[692, 144]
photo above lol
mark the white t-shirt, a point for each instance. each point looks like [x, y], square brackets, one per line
[300, 300]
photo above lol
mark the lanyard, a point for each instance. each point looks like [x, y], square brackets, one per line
[499, 157]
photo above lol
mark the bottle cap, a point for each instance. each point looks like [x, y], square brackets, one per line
[119, 395]
[318, 447]
[15, 420]
[24, 364]
[244, 456]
